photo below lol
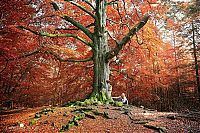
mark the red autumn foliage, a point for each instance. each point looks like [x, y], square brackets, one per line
[30, 76]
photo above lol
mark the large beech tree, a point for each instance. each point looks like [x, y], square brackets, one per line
[96, 34]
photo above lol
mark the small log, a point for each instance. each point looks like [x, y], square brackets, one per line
[159, 129]
[141, 122]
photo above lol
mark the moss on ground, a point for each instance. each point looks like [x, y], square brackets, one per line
[72, 122]
[118, 104]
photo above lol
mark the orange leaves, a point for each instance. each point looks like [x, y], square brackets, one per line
[64, 51]
[145, 9]
[171, 24]
[138, 65]
[152, 1]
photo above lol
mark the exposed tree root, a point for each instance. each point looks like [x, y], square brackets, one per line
[103, 114]
[159, 129]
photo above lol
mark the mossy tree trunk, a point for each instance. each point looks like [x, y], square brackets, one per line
[101, 52]
[98, 42]
[101, 64]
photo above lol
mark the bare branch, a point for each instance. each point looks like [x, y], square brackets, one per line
[134, 30]
[112, 2]
[112, 21]
[56, 35]
[86, 1]
[78, 25]
[67, 35]
[26, 55]
[67, 60]
[24, 28]
[124, 5]
[137, 39]
[55, 6]
[88, 26]
[90, 4]
[39, 50]
[127, 38]
[112, 37]
[82, 8]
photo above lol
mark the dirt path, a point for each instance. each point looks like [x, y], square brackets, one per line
[127, 119]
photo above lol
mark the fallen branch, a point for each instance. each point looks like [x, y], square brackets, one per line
[141, 122]
[159, 129]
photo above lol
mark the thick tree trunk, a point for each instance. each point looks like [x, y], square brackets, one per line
[101, 52]
[101, 72]
[101, 65]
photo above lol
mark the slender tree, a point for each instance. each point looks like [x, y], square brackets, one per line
[195, 60]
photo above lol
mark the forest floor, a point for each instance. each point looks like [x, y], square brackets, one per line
[126, 119]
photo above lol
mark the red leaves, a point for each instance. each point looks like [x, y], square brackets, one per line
[141, 67]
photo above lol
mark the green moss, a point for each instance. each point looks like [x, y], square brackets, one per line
[33, 121]
[96, 112]
[68, 104]
[87, 102]
[99, 103]
[118, 104]
[102, 96]
[79, 117]
[81, 110]
[96, 99]
[72, 122]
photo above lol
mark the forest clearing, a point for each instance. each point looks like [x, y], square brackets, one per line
[100, 66]
[120, 119]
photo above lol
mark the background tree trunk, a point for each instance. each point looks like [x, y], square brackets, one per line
[195, 61]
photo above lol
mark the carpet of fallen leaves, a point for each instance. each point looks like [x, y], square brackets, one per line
[128, 119]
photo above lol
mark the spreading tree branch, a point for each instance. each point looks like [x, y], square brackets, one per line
[87, 26]
[67, 60]
[86, 1]
[78, 25]
[127, 38]
[56, 35]
[24, 28]
[82, 8]
[39, 50]
[112, 37]
[67, 35]
[55, 6]
[90, 4]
